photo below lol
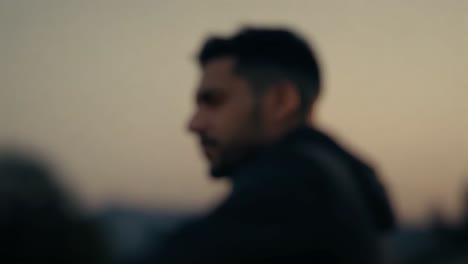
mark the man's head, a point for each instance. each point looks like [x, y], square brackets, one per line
[255, 86]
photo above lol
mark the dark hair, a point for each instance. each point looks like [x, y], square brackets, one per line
[264, 56]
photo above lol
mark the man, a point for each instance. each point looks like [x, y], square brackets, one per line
[297, 195]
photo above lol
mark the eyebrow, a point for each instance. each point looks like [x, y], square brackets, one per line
[207, 95]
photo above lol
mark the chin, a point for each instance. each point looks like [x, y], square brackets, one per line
[217, 173]
[220, 171]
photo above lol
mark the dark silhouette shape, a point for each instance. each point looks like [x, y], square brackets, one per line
[38, 221]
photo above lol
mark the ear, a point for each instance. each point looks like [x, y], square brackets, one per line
[283, 101]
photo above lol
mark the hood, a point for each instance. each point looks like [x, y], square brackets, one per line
[368, 184]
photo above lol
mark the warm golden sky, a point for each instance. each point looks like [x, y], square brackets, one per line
[104, 88]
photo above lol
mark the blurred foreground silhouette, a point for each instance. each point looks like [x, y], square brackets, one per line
[39, 223]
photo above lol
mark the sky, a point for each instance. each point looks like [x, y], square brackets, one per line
[104, 90]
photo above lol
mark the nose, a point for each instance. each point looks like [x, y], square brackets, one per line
[196, 123]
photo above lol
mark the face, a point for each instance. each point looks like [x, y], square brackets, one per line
[226, 119]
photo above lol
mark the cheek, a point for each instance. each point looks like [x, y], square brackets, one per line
[233, 119]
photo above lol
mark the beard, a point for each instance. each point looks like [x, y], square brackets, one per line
[240, 150]
[232, 158]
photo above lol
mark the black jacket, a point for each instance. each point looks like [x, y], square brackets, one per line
[304, 199]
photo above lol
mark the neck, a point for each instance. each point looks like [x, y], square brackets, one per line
[276, 134]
